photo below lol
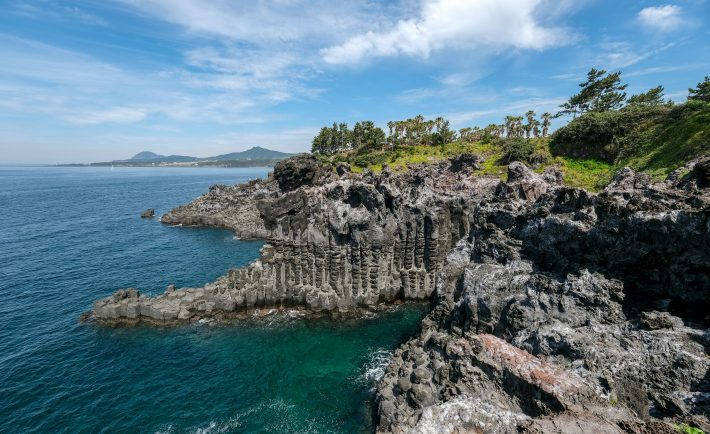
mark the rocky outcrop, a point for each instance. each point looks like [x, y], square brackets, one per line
[147, 214]
[560, 313]
[301, 170]
[344, 244]
[232, 207]
[554, 309]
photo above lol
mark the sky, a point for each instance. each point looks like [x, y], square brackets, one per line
[86, 81]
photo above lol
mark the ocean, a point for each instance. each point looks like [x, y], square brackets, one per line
[69, 236]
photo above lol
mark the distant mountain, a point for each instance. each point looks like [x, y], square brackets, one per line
[147, 156]
[256, 156]
[255, 153]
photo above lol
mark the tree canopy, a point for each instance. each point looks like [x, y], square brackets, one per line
[652, 97]
[701, 92]
[600, 93]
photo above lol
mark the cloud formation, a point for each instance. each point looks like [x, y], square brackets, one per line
[454, 24]
[665, 18]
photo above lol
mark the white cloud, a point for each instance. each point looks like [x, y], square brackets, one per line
[118, 115]
[454, 24]
[263, 22]
[621, 54]
[665, 18]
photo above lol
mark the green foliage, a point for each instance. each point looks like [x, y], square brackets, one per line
[419, 131]
[338, 138]
[701, 92]
[665, 144]
[653, 97]
[599, 93]
[601, 135]
[367, 137]
[687, 429]
[516, 149]
[585, 173]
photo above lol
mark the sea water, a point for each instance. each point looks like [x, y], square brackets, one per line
[71, 235]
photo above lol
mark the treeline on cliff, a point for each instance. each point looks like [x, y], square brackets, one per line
[608, 129]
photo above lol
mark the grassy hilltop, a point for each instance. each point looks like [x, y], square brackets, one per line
[608, 132]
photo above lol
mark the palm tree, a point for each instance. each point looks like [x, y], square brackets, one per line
[546, 118]
[509, 125]
[530, 117]
[536, 128]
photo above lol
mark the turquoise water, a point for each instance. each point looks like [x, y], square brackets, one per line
[71, 235]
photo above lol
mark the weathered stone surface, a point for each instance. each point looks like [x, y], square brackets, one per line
[303, 169]
[149, 213]
[555, 309]
[232, 207]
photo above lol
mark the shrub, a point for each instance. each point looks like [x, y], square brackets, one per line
[516, 149]
[603, 135]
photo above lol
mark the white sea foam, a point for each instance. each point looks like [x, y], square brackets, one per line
[280, 415]
[374, 368]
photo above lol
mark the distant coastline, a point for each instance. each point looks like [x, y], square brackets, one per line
[253, 157]
[194, 164]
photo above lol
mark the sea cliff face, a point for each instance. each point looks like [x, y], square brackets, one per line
[554, 309]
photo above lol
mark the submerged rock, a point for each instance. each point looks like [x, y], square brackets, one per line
[554, 309]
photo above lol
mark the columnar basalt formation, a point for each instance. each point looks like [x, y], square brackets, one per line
[554, 309]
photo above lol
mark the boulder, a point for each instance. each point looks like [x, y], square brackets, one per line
[149, 213]
[300, 170]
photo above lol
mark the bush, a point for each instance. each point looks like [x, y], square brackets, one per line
[516, 149]
[603, 135]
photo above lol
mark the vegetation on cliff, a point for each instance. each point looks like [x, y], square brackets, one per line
[608, 131]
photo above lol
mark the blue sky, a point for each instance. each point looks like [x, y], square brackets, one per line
[84, 81]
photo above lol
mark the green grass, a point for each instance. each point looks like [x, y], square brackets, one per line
[585, 173]
[657, 147]
[687, 429]
[668, 144]
[589, 174]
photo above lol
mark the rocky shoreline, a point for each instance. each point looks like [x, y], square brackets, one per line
[554, 309]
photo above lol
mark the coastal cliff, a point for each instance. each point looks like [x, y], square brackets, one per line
[552, 308]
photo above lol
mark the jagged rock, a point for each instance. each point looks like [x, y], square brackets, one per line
[545, 315]
[303, 169]
[627, 179]
[522, 183]
[659, 320]
[342, 169]
[232, 207]
[149, 213]
[466, 163]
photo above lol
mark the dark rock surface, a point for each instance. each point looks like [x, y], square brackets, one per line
[301, 170]
[149, 213]
[232, 207]
[554, 309]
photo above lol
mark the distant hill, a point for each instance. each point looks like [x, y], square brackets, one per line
[255, 153]
[153, 157]
[256, 156]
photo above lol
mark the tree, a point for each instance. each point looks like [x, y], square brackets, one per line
[332, 140]
[367, 136]
[653, 97]
[546, 118]
[530, 126]
[444, 134]
[700, 93]
[599, 93]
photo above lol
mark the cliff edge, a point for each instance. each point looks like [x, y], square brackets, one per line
[553, 309]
